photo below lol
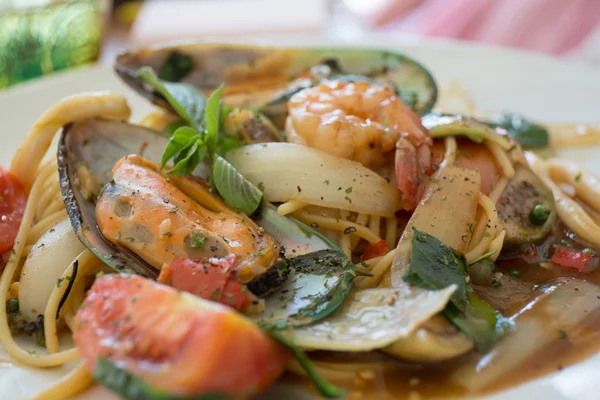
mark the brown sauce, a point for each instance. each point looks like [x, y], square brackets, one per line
[379, 376]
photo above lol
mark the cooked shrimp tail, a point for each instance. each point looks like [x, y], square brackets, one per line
[363, 122]
[413, 165]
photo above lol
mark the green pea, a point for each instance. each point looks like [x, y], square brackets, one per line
[539, 215]
[12, 306]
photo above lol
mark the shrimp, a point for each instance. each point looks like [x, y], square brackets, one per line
[363, 122]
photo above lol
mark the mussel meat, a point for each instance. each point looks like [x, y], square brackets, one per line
[146, 212]
[134, 216]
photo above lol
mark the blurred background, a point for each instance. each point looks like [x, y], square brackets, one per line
[38, 37]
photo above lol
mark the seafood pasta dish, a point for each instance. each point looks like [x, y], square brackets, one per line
[307, 217]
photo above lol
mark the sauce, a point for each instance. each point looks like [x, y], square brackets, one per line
[559, 341]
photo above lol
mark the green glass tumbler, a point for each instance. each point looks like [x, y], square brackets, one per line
[38, 37]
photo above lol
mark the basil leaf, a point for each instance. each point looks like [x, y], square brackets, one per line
[130, 386]
[182, 139]
[529, 134]
[325, 388]
[437, 266]
[176, 67]
[185, 100]
[434, 266]
[227, 143]
[174, 125]
[186, 161]
[480, 321]
[238, 192]
[211, 119]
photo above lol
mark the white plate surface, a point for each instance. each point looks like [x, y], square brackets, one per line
[543, 88]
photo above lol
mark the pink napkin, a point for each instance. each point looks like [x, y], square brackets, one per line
[552, 26]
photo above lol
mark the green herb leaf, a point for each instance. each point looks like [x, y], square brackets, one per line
[325, 388]
[130, 386]
[562, 334]
[211, 119]
[529, 134]
[197, 240]
[237, 191]
[434, 266]
[227, 143]
[183, 138]
[185, 100]
[434, 263]
[176, 67]
[480, 321]
[186, 161]
[174, 125]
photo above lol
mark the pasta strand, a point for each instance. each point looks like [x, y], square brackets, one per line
[290, 206]
[338, 225]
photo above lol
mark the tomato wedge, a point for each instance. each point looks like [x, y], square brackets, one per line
[570, 258]
[377, 249]
[473, 156]
[12, 206]
[138, 336]
[211, 279]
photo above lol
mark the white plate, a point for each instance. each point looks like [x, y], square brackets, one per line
[543, 88]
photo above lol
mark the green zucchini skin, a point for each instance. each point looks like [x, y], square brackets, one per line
[523, 192]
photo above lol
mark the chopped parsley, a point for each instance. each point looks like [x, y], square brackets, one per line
[174, 209]
[562, 334]
[197, 240]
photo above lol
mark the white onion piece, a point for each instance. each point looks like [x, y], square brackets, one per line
[293, 172]
[371, 319]
[44, 265]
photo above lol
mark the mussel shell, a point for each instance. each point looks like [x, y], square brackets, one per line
[94, 146]
[214, 64]
[88, 151]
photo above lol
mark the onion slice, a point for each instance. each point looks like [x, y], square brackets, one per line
[286, 171]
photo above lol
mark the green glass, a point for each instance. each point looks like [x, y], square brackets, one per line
[37, 40]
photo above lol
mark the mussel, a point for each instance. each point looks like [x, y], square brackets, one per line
[265, 77]
[161, 218]
[135, 217]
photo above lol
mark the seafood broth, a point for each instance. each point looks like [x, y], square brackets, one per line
[378, 376]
